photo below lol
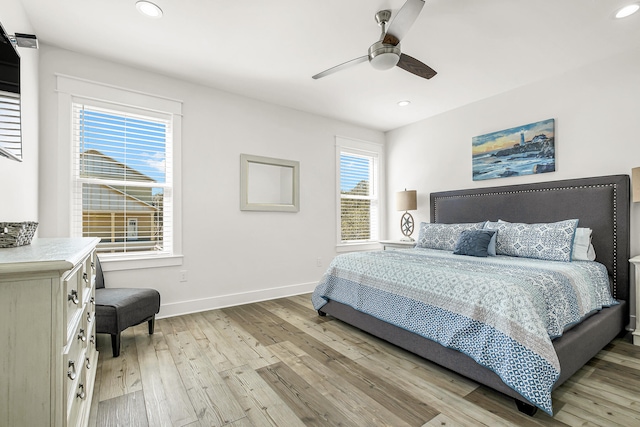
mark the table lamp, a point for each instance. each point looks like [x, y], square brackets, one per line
[635, 184]
[407, 200]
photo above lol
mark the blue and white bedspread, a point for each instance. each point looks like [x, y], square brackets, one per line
[501, 311]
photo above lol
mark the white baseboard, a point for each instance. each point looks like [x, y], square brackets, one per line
[204, 304]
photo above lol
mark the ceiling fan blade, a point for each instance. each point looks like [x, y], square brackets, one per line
[403, 21]
[412, 65]
[341, 66]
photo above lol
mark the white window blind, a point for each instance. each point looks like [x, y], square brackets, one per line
[123, 190]
[359, 207]
[10, 141]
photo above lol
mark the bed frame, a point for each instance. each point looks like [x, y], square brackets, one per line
[600, 203]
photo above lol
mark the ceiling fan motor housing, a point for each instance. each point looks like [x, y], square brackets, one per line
[384, 56]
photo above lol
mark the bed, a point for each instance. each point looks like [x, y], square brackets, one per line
[599, 203]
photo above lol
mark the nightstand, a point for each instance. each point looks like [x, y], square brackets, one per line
[396, 244]
[636, 263]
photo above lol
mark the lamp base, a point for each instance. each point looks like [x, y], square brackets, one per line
[406, 226]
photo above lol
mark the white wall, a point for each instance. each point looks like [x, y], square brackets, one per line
[597, 133]
[19, 180]
[231, 256]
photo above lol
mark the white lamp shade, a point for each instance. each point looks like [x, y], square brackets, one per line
[407, 200]
[635, 184]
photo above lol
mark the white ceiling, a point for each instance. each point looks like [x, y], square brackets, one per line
[269, 50]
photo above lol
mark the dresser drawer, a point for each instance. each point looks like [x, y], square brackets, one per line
[74, 360]
[88, 276]
[73, 287]
[89, 318]
[77, 398]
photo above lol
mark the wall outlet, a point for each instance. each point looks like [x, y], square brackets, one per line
[318, 262]
[183, 275]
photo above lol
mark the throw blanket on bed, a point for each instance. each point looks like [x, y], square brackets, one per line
[501, 311]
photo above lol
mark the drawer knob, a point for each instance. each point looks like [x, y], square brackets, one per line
[82, 336]
[89, 318]
[73, 297]
[92, 300]
[93, 340]
[71, 373]
[80, 392]
[93, 265]
[85, 277]
[87, 363]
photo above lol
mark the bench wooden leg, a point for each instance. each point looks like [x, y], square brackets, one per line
[115, 344]
[152, 324]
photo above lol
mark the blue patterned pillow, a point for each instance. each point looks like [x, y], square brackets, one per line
[443, 236]
[474, 242]
[551, 241]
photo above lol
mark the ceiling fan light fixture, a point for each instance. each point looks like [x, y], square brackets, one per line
[383, 56]
[149, 9]
[385, 61]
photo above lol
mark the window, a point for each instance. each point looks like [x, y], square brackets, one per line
[119, 169]
[123, 190]
[359, 204]
[10, 139]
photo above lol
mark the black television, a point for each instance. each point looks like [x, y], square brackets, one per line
[10, 128]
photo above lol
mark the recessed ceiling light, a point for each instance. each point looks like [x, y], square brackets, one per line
[403, 103]
[149, 9]
[627, 10]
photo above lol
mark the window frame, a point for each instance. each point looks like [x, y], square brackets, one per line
[365, 149]
[71, 90]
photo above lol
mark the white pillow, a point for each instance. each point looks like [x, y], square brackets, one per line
[582, 248]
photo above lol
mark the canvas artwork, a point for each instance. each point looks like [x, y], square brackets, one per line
[522, 150]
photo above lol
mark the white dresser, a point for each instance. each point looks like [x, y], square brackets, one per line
[48, 359]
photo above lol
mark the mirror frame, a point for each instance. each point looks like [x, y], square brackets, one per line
[245, 162]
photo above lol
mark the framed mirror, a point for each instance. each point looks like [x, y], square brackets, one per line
[268, 184]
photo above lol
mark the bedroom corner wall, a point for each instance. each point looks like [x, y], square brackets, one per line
[19, 180]
[231, 256]
[597, 133]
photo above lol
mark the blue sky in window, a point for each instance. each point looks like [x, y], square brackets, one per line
[140, 144]
[353, 169]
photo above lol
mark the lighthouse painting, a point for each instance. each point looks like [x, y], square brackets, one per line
[522, 150]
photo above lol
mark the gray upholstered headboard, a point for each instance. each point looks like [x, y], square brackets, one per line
[600, 203]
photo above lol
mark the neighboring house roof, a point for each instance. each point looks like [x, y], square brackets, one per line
[99, 165]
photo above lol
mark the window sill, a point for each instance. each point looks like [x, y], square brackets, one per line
[354, 247]
[118, 263]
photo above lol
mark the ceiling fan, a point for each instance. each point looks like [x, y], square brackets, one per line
[386, 53]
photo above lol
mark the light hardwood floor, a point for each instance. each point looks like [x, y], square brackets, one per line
[277, 363]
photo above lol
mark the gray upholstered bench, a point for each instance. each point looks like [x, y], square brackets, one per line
[119, 308]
